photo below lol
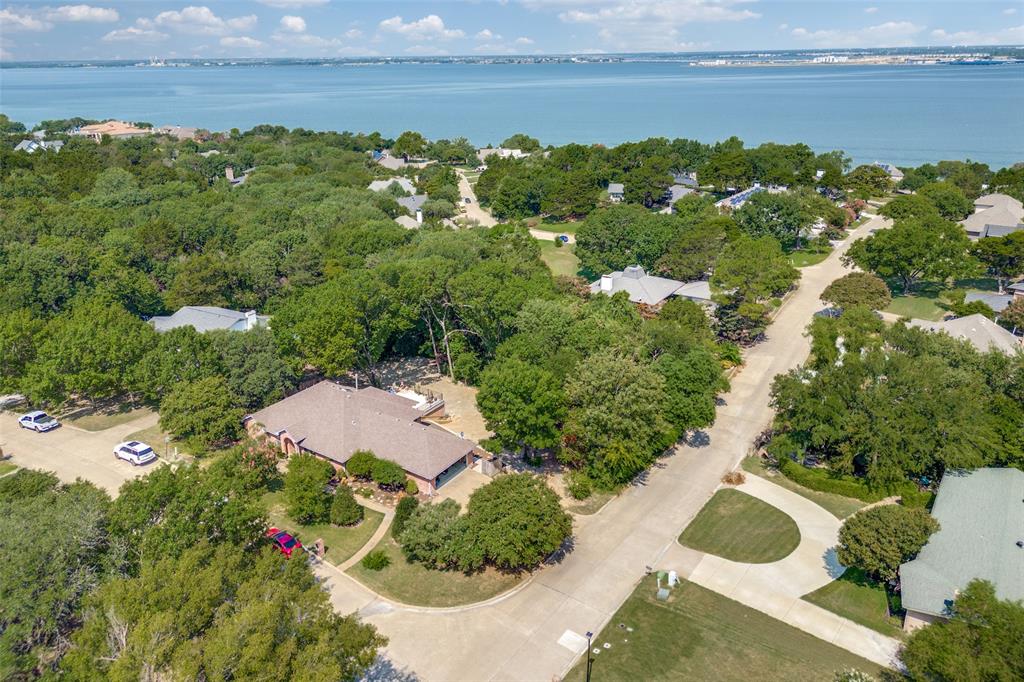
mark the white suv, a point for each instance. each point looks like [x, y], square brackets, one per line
[38, 421]
[135, 452]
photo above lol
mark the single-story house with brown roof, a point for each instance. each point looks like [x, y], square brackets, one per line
[333, 422]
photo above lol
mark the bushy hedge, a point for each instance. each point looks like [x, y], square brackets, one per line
[345, 511]
[389, 475]
[849, 486]
[360, 464]
[405, 508]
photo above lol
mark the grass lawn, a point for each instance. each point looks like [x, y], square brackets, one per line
[809, 256]
[154, 437]
[837, 505]
[417, 585]
[7, 467]
[341, 542]
[591, 505]
[562, 260]
[858, 598]
[554, 227]
[100, 419]
[700, 635]
[738, 527]
[921, 307]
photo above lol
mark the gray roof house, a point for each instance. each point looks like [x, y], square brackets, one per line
[616, 191]
[895, 174]
[203, 318]
[648, 289]
[413, 203]
[995, 215]
[1017, 288]
[677, 192]
[981, 332]
[32, 146]
[996, 302]
[381, 185]
[981, 519]
[334, 421]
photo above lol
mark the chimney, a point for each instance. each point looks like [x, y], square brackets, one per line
[606, 283]
[250, 319]
[419, 216]
[229, 173]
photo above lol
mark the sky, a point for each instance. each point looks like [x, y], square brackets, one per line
[138, 29]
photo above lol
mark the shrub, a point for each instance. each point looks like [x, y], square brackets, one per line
[360, 464]
[435, 535]
[880, 539]
[558, 242]
[405, 509]
[306, 499]
[388, 475]
[411, 488]
[579, 485]
[734, 478]
[366, 492]
[825, 481]
[377, 560]
[345, 511]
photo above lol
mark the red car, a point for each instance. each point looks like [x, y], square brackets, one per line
[285, 542]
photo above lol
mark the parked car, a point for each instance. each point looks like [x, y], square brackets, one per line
[564, 238]
[285, 542]
[38, 421]
[135, 452]
[467, 200]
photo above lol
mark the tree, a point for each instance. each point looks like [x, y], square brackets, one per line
[20, 335]
[857, 288]
[880, 539]
[693, 254]
[521, 141]
[778, 215]
[948, 199]
[345, 511]
[647, 183]
[516, 520]
[360, 464]
[751, 272]
[619, 236]
[907, 206]
[1003, 257]
[913, 250]
[205, 412]
[1013, 314]
[522, 404]
[181, 355]
[435, 536]
[868, 181]
[252, 367]
[409, 144]
[692, 382]
[222, 613]
[982, 640]
[388, 474]
[403, 512]
[305, 491]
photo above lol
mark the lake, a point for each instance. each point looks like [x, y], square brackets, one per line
[902, 114]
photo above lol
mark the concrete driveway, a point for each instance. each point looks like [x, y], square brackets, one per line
[473, 210]
[71, 452]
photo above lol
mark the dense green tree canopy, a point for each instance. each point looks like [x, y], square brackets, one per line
[880, 539]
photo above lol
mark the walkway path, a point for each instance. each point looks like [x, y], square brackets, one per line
[378, 535]
[776, 588]
[518, 637]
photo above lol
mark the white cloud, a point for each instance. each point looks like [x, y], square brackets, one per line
[523, 40]
[202, 21]
[83, 13]
[647, 25]
[353, 34]
[135, 34]
[1013, 35]
[430, 27]
[293, 24]
[1010, 11]
[487, 34]
[889, 34]
[240, 41]
[870, 10]
[22, 22]
[292, 4]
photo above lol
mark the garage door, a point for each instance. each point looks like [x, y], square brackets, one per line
[450, 473]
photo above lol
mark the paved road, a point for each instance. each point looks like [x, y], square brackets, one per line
[517, 638]
[71, 452]
[473, 210]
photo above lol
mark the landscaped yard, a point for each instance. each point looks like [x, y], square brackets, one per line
[100, 419]
[412, 583]
[917, 306]
[341, 542]
[808, 256]
[700, 635]
[738, 527]
[928, 298]
[561, 260]
[837, 505]
[856, 597]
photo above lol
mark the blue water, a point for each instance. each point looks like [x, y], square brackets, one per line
[902, 114]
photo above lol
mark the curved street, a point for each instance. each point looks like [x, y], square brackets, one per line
[517, 638]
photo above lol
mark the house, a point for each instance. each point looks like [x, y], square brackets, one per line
[616, 191]
[648, 289]
[1017, 289]
[981, 332]
[410, 223]
[229, 173]
[119, 130]
[895, 174]
[677, 192]
[204, 318]
[179, 132]
[995, 215]
[333, 422]
[381, 185]
[981, 535]
[737, 200]
[35, 145]
[501, 153]
[413, 204]
[686, 178]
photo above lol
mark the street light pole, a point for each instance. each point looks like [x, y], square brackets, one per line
[590, 660]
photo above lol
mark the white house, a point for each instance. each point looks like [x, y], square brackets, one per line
[616, 191]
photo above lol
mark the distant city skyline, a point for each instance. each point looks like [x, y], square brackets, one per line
[31, 31]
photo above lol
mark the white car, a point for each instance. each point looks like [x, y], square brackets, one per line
[38, 421]
[135, 452]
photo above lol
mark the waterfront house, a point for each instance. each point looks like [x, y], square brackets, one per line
[500, 152]
[736, 201]
[119, 130]
[180, 133]
[649, 289]
[616, 192]
[995, 215]
[203, 318]
[895, 174]
[980, 536]
[332, 422]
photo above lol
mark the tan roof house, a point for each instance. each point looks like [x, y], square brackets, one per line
[995, 215]
[333, 422]
[119, 130]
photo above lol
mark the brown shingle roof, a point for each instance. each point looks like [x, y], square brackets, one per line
[334, 421]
